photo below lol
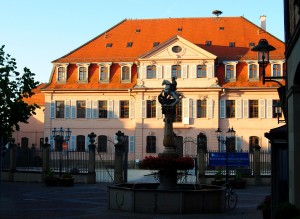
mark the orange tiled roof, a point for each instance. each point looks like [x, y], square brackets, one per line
[144, 32]
[196, 30]
[38, 98]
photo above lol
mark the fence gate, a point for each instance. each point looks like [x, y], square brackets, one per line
[105, 162]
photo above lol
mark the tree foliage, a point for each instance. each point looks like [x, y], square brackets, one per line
[14, 89]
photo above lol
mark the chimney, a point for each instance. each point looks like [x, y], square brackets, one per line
[263, 22]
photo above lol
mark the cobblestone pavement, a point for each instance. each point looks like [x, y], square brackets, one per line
[35, 200]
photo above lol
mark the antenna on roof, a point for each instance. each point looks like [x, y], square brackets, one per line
[217, 12]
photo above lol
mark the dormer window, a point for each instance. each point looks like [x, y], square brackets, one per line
[129, 44]
[138, 30]
[276, 68]
[61, 76]
[108, 45]
[126, 72]
[251, 44]
[83, 72]
[253, 70]
[231, 44]
[155, 44]
[179, 29]
[208, 43]
[230, 70]
[221, 28]
[104, 72]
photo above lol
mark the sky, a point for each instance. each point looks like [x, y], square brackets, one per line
[36, 32]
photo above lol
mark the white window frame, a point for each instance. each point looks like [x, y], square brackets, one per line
[249, 63]
[126, 64]
[234, 63]
[86, 66]
[105, 65]
[65, 66]
[278, 62]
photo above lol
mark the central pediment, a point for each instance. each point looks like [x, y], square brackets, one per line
[177, 48]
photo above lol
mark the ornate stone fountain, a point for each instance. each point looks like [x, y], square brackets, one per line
[167, 196]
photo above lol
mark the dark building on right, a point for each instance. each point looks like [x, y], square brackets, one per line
[292, 55]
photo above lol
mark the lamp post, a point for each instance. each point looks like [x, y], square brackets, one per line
[230, 135]
[60, 136]
[263, 48]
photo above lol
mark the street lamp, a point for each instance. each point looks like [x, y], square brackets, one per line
[230, 135]
[263, 48]
[60, 136]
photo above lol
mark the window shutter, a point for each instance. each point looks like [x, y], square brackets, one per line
[159, 71]
[262, 108]
[110, 109]
[269, 108]
[239, 143]
[131, 144]
[209, 69]
[186, 118]
[88, 109]
[194, 108]
[52, 109]
[131, 109]
[144, 108]
[222, 109]
[116, 109]
[168, 71]
[184, 71]
[209, 108]
[158, 109]
[246, 108]
[67, 109]
[73, 143]
[73, 109]
[238, 108]
[95, 109]
[191, 108]
[144, 75]
[193, 71]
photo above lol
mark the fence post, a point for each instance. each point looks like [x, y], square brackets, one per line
[91, 179]
[46, 158]
[256, 160]
[12, 160]
[201, 166]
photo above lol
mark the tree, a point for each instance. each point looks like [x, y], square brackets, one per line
[14, 89]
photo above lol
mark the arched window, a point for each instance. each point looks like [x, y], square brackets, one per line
[80, 140]
[102, 143]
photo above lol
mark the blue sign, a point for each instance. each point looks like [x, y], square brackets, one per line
[237, 159]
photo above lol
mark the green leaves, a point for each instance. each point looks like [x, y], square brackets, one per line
[14, 89]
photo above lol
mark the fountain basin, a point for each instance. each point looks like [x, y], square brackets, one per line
[186, 199]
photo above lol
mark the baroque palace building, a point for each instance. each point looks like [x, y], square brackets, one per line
[112, 82]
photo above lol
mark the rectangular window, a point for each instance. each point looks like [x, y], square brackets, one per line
[151, 71]
[61, 76]
[230, 108]
[276, 70]
[81, 106]
[229, 72]
[253, 71]
[129, 44]
[151, 144]
[231, 44]
[178, 112]
[208, 43]
[201, 71]
[176, 71]
[102, 109]
[125, 73]
[201, 108]
[151, 108]
[124, 109]
[60, 109]
[82, 74]
[102, 144]
[155, 44]
[253, 108]
[108, 45]
[104, 74]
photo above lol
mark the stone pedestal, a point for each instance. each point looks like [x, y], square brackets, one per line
[167, 179]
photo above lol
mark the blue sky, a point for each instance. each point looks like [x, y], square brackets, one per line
[36, 32]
